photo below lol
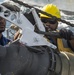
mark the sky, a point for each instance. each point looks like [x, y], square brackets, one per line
[1, 0]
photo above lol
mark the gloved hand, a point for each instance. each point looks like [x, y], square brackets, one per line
[66, 34]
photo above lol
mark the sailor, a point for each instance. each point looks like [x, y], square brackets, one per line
[51, 24]
[3, 40]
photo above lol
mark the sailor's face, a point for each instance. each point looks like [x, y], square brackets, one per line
[50, 23]
[51, 27]
[2, 24]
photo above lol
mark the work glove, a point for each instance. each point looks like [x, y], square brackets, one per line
[66, 34]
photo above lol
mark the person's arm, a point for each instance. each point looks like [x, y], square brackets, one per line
[66, 34]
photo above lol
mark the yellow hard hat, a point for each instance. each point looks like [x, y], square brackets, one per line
[51, 9]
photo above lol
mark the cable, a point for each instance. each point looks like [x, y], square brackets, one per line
[40, 11]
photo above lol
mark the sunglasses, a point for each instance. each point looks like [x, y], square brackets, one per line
[49, 20]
